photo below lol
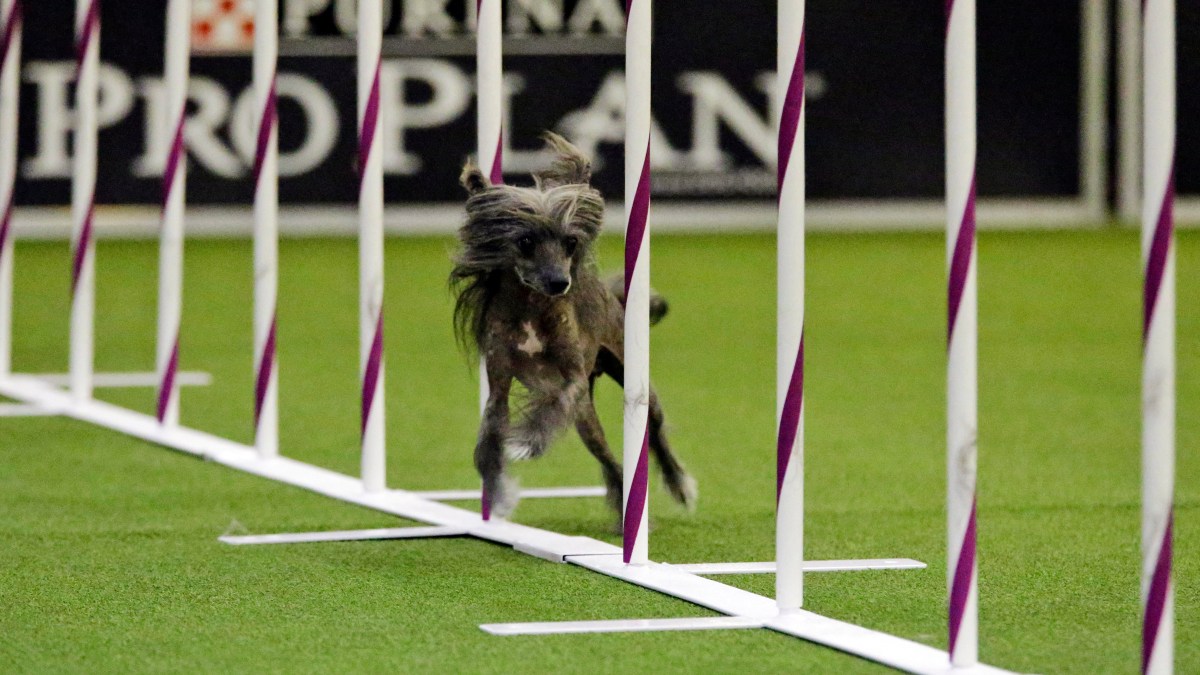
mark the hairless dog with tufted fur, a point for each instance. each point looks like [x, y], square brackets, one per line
[530, 300]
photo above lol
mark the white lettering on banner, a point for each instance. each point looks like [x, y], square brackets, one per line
[296, 14]
[418, 94]
[715, 101]
[608, 15]
[449, 100]
[428, 17]
[603, 122]
[56, 117]
[523, 15]
[321, 123]
[421, 18]
[345, 14]
[211, 113]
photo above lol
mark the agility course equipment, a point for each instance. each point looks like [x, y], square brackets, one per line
[1158, 336]
[631, 562]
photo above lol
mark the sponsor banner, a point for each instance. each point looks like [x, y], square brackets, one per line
[874, 73]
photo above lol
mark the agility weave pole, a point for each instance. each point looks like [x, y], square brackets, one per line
[636, 438]
[170, 257]
[10, 82]
[83, 197]
[266, 230]
[489, 133]
[1158, 336]
[961, 334]
[370, 246]
[789, 348]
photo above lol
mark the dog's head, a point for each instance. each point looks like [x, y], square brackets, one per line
[542, 234]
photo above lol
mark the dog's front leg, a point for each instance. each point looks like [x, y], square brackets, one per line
[500, 497]
[548, 413]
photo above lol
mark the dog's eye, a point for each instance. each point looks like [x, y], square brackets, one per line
[525, 245]
[570, 244]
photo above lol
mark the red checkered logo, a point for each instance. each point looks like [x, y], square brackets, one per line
[223, 26]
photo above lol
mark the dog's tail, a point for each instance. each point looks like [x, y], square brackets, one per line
[658, 304]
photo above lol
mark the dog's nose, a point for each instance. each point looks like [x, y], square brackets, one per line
[558, 286]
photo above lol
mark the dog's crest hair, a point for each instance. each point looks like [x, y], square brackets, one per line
[560, 203]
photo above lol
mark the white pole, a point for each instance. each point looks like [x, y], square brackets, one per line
[370, 245]
[961, 390]
[83, 198]
[1158, 335]
[170, 256]
[638, 33]
[1093, 107]
[489, 76]
[10, 82]
[789, 354]
[1129, 108]
[266, 230]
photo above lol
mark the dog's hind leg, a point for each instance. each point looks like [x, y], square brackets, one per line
[679, 482]
[592, 434]
[489, 454]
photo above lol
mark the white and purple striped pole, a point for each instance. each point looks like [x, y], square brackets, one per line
[961, 333]
[170, 251]
[10, 82]
[789, 355]
[489, 83]
[370, 245]
[266, 230]
[638, 31]
[1158, 335]
[83, 197]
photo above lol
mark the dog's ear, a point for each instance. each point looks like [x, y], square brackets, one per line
[473, 179]
[570, 165]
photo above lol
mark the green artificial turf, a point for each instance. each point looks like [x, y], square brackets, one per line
[108, 553]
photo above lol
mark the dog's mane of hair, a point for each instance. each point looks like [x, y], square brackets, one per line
[560, 202]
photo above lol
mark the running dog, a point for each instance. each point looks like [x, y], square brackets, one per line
[530, 301]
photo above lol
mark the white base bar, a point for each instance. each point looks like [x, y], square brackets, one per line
[622, 625]
[588, 553]
[809, 566]
[526, 493]
[26, 410]
[186, 378]
[343, 535]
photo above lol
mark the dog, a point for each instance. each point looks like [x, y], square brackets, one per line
[530, 300]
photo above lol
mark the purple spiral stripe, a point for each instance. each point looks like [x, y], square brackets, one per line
[960, 588]
[1156, 599]
[635, 505]
[485, 503]
[83, 245]
[87, 32]
[960, 262]
[266, 365]
[793, 107]
[166, 389]
[266, 127]
[174, 159]
[9, 31]
[949, 13]
[371, 373]
[636, 231]
[789, 421]
[6, 223]
[496, 175]
[1156, 262]
[370, 126]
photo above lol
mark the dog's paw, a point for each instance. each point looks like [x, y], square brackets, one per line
[685, 490]
[504, 503]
